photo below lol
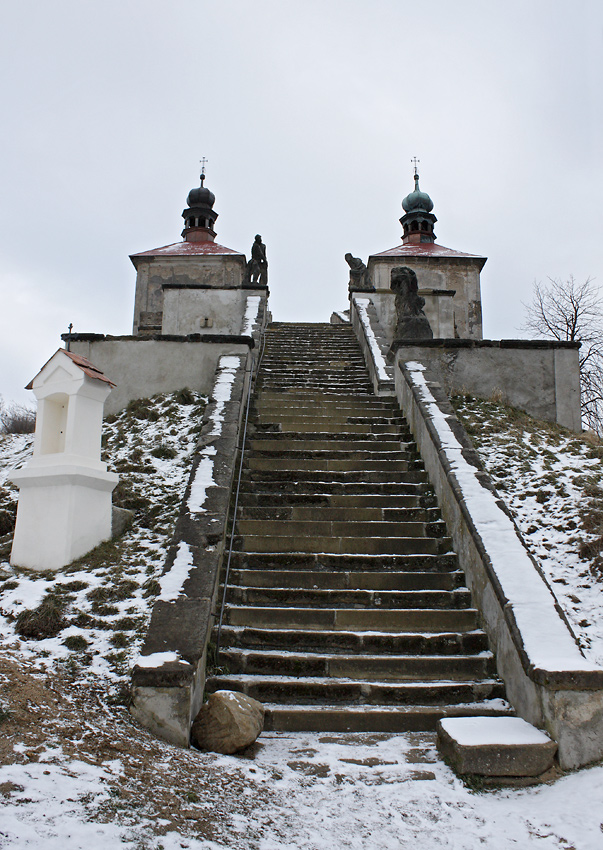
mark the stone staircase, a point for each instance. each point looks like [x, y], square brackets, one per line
[346, 608]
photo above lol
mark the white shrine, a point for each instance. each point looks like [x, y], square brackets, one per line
[64, 505]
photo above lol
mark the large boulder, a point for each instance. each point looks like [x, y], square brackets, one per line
[227, 722]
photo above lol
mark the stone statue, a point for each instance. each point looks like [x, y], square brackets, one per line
[358, 279]
[412, 323]
[257, 267]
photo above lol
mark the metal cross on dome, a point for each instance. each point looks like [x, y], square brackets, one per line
[203, 161]
[415, 162]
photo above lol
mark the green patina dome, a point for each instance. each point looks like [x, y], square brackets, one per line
[417, 201]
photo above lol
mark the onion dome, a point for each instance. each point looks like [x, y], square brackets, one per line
[199, 216]
[418, 220]
[417, 200]
[201, 197]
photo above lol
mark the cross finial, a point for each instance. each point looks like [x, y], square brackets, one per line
[415, 162]
[69, 336]
[203, 161]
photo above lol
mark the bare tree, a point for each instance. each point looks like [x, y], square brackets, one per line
[571, 311]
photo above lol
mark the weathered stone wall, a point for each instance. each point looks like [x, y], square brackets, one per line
[539, 377]
[186, 309]
[459, 315]
[439, 309]
[141, 367]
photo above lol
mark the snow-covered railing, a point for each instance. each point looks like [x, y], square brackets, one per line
[380, 373]
[547, 679]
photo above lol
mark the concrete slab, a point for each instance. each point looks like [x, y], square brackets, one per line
[495, 746]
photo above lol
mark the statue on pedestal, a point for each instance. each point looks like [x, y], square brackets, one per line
[358, 279]
[412, 323]
[257, 267]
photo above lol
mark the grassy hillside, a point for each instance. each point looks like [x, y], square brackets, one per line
[552, 481]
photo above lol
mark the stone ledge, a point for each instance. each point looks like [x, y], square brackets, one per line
[482, 343]
[159, 337]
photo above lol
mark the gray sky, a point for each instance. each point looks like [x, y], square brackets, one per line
[309, 113]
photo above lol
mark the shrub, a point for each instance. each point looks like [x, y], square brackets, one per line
[7, 521]
[164, 452]
[17, 419]
[45, 621]
[184, 396]
[75, 642]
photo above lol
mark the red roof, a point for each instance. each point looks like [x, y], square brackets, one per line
[425, 249]
[187, 249]
[85, 365]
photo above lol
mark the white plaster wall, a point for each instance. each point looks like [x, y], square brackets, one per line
[185, 311]
[142, 367]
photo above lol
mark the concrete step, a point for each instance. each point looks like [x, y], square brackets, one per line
[303, 597]
[354, 619]
[384, 643]
[378, 718]
[358, 463]
[383, 668]
[326, 513]
[339, 528]
[346, 441]
[495, 746]
[290, 689]
[319, 562]
[370, 580]
[325, 447]
[319, 477]
[327, 404]
[325, 399]
[338, 492]
[312, 425]
[343, 545]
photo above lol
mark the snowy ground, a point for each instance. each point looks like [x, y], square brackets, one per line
[76, 771]
[552, 480]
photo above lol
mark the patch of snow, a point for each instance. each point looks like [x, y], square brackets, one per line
[378, 359]
[172, 581]
[251, 312]
[204, 478]
[547, 640]
[222, 392]
[156, 659]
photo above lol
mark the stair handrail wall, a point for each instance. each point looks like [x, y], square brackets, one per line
[255, 367]
[566, 696]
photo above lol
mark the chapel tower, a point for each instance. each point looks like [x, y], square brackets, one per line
[449, 280]
[195, 286]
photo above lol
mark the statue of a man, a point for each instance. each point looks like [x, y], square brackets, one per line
[357, 272]
[412, 323]
[257, 267]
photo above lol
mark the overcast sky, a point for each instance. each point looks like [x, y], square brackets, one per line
[309, 112]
